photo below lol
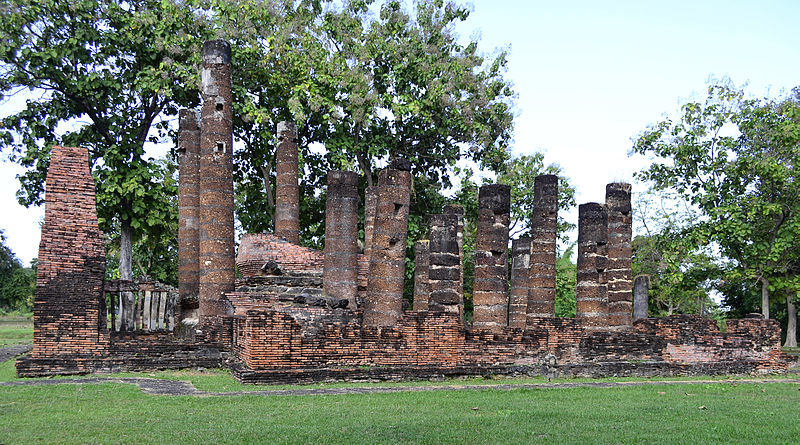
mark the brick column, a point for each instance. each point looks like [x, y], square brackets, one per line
[491, 258]
[421, 283]
[384, 302]
[444, 273]
[188, 212]
[520, 279]
[370, 206]
[454, 209]
[287, 190]
[542, 285]
[69, 312]
[619, 274]
[340, 273]
[641, 302]
[591, 295]
[216, 185]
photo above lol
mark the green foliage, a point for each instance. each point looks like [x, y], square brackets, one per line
[106, 76]
[681, 266]
[733, 159]
[566, 282]
[17, 283]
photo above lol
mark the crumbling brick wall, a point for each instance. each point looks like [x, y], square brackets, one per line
[69, 315]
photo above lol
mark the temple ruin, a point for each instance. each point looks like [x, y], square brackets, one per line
[298, 314]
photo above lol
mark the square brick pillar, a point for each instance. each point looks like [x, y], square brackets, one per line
[591, 295]
[520, 280]
[287, 189]
[370, 207]
[444, 272]
[340, 272]
[69, 312]
[188, 213]
[216, 185]
[384, 302]
[542, 285]
[458, 210]
[421, 283]
[620, 275]
[491, 258]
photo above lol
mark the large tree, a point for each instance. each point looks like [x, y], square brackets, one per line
[734, 158]
[104, 75]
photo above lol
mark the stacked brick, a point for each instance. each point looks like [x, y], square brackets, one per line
[591, 295]
[340, 275]
[491, 258]
[520, 280]
[542, 285]
[216, 186]
[458, 211]
[287, 189]
[422, 288]
[258, 249]
[444, 271]
[619, 274]
[69, 314]
[188, 211]
[384, 301]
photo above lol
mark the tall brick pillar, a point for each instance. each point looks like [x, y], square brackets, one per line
[458, 211]
[620, 276]
[188, 212]
[370, 207]
[287, 190]
[216, 185]
[542, 286]
[520, 280]
[444, 272]
[491, 258]
[384, 302]
[340, 272]
[591, 295]
[69, 312]
[421, 282]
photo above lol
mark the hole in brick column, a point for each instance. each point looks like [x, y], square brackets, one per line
[220, 147]
[496, 256]
[397, 209]
[393, 242]
[219, 107]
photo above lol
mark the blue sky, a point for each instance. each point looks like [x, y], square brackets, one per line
[590, 76]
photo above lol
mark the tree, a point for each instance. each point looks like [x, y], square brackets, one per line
[104, 75]
[17, 283]
[733, 159]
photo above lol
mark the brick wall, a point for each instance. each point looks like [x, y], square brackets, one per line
[290, 344]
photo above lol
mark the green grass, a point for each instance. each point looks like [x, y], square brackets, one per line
[113, 413]
[15, 330]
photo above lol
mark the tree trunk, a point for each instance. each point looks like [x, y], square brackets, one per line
[268, 191]
[765, 297]
[126, 273]
[791, 326]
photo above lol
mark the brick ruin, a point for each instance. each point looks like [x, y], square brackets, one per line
[298, 314]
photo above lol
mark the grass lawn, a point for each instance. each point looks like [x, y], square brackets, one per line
[114, 413]
[15, 330]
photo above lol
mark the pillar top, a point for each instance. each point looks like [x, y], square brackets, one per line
[217, 52]
[496, 197]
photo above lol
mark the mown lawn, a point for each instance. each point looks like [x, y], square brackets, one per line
[15, 330]
[114, 413]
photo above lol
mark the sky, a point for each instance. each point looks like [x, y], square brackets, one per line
[589, 77]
